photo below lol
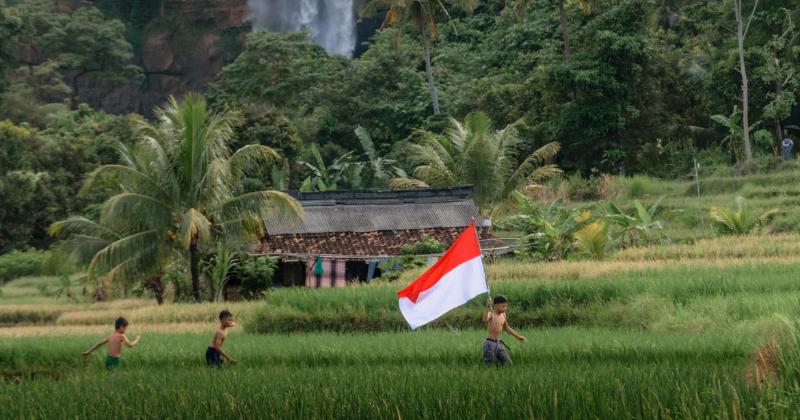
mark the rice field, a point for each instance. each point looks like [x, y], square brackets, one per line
[685, 214]
[672, 331]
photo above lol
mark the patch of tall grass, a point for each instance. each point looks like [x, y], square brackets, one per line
[559, 373]
[750, 246]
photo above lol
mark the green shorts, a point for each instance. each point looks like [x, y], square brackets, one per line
[112, 362]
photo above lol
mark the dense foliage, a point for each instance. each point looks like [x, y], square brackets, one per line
[638, 86]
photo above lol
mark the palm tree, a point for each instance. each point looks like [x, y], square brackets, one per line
[422, 15]
[179, 189]
[593, 239]
[739, 221]
[474, 154]
[344, 171]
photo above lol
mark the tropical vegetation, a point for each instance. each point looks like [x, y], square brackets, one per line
[177, 193]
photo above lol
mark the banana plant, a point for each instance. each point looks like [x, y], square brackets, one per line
[550, 231]
[342, 172]
[382, 169]
[740, 221]
[640, 224]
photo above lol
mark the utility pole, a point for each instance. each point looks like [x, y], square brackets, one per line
[697, 181]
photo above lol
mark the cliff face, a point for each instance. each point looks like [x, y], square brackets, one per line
[182, 49]
[181, 46]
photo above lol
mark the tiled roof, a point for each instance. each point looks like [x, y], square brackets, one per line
[369, 222]
[384, 242]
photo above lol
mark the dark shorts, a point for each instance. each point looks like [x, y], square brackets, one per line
[112, 362]
[213, 357]
[495, 352]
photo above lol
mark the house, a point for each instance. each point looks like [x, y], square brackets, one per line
[350, 232]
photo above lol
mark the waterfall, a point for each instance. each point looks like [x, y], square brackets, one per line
[331, 23]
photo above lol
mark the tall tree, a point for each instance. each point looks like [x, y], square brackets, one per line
[742, 28]
[181, 186]
[522, 6]
[780, 72]
[83, 45]
[423, 15]
[473, 153]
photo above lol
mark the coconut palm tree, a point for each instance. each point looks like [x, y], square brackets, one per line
[423, 16]
[473, 153]
[593, 239]
[740, 221]
[178, 190]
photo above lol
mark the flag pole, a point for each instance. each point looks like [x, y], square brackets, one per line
[478, 235]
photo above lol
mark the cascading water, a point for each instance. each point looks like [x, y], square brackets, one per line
[331, 23]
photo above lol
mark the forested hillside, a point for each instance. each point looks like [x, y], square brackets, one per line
[633, 86]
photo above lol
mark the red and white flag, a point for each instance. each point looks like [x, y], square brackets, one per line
[451, 282]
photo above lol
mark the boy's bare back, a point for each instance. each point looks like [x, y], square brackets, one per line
[115, 344]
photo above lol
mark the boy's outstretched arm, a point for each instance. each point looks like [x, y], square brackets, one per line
[487, 310]
[95, 347]
[129, 343]
[514, 333]
[225, 355]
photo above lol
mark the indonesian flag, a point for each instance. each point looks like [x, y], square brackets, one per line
[451, 282]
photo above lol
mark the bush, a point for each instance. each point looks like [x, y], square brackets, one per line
[18, 264]
[642, 186]
[255, 275]
[178, 278]
[580, 188]
[667, 159]
[392, 268]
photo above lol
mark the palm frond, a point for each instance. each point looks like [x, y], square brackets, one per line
[252, 157]
[76, 225]
[124, 175]
[194, 226]
[124, 249]
[260, 204]
[134, 208]
[527, 171]
[593, 239]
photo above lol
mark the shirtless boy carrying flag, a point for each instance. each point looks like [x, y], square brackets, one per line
[494, 350]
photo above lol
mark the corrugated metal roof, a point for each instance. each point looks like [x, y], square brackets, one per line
[405, 196]
[326, 216]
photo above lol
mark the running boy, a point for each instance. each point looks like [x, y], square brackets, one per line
[215, 353]
[115, 342]
[494, 350]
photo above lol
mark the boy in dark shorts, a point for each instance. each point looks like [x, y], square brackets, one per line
[494, 350]
[214, 354]
[115, 342]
